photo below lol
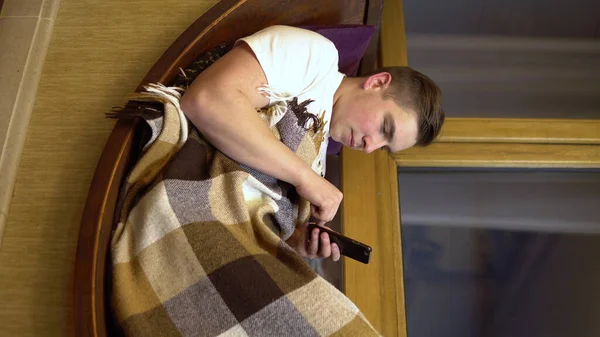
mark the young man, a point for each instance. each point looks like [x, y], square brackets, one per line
[394, 108]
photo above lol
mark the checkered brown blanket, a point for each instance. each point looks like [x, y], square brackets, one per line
[199, 247]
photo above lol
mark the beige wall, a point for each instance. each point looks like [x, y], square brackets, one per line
[98, 53]
[25, 31]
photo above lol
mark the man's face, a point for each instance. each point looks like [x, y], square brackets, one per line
[364, 120]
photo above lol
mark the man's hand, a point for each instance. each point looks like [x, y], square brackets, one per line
[323, 196]
[312, 245]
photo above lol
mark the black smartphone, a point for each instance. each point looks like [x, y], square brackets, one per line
[348, 247]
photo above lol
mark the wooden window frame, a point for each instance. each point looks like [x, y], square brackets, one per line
[371, 212]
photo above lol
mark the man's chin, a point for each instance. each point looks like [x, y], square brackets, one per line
[334, 137]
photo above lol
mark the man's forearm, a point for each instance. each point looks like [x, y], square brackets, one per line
[231, 124]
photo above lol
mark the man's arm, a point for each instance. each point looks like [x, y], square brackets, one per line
[222, 102]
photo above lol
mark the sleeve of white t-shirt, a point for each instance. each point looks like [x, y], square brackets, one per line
[293, 59]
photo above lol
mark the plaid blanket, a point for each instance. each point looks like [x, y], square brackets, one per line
[199, 246]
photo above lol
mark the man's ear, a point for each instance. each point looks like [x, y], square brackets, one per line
[378, 81]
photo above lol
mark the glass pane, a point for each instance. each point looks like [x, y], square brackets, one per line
[508, 58]
[501, 253]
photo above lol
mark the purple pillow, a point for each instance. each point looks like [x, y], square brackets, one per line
[351, 42]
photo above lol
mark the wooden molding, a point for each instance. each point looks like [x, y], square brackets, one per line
[501, 155]
[392, 40]
[371, 214]
[511, 130]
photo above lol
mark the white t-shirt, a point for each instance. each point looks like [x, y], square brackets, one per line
[299, 63]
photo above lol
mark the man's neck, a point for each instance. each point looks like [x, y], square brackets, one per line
[347, 87]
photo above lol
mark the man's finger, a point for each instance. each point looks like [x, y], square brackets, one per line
[335, 252]
[325, 249]
[313, 246]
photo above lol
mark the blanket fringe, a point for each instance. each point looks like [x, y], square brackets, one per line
[135, 109]
[280, 106]
[149, 104]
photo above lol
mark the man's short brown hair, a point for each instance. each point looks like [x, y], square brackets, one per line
[417, 92]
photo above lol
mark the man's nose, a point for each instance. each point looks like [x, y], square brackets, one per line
[372, 144]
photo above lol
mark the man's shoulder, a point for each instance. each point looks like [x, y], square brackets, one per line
[293, 59]
[296, 36]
